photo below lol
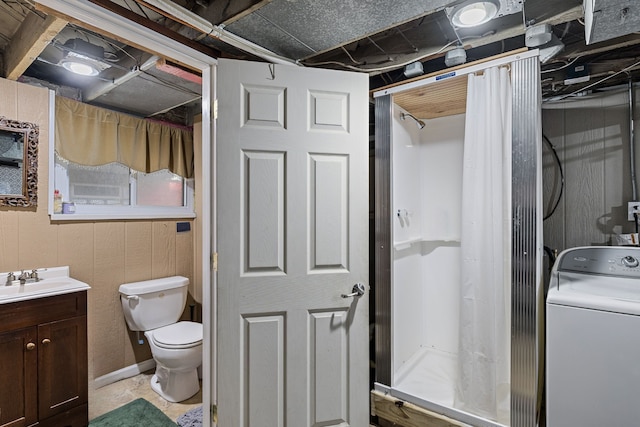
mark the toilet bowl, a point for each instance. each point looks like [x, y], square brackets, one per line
[154, 306]
[177, 350]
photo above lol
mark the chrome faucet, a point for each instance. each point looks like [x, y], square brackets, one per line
[23, 277]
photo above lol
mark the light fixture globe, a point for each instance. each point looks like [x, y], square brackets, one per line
[473, 13]
[79, 67]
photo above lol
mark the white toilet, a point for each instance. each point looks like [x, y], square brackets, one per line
[154, 306]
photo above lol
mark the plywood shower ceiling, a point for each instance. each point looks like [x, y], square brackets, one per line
[443, 98]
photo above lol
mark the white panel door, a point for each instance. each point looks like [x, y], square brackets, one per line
[292, 190]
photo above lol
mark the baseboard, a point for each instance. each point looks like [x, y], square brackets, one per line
[126, 372]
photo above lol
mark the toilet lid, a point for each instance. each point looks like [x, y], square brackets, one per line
[178, 335]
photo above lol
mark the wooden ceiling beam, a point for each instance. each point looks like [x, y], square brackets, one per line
[33, 36]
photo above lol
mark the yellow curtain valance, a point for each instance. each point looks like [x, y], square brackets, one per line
[93, 136]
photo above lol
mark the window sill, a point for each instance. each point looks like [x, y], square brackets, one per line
[112, 217]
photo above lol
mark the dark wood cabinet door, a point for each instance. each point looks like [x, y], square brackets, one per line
[18, 378]
[62, 365]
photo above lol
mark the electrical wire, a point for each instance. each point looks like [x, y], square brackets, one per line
[563, 67]
[103, 39]
[557, 158]
[387, 68]
[552, 257]
[349, 55]
[624, 70]
[168, 84]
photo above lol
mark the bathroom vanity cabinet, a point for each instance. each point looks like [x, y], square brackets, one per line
[43, 362]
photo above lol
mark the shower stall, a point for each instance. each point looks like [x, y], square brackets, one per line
[458, 243]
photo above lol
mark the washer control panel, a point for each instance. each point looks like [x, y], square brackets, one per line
[611, 260]
[630, 261]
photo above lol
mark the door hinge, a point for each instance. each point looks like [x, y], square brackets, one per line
[214, 413]
[215, 109]
[214, 261]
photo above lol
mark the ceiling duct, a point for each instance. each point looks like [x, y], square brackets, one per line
[606, 19]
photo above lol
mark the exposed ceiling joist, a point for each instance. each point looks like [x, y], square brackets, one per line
[34, 34]
[581, 49]
[127, 14]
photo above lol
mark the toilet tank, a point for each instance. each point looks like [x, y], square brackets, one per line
[151, 304]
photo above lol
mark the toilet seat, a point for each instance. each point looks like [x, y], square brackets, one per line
[178, 335]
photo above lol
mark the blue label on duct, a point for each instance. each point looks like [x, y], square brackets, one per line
[445, 76]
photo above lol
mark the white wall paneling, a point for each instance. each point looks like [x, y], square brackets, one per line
[591, 137]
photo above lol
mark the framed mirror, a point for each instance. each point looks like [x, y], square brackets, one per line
[18, 163]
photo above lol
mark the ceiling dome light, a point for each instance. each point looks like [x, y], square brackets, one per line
[83, 58]
[473, 13]
[78, 67]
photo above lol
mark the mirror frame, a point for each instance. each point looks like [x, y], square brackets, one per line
[31, 132]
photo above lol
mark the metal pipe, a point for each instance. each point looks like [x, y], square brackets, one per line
[419, 122]
[196, 22]
[632, 151]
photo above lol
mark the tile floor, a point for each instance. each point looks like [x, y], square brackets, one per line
[114, 395]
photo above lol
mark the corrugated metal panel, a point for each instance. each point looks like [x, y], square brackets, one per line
[526, 241]
[383, 116]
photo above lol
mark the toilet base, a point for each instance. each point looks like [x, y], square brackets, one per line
[175, 386]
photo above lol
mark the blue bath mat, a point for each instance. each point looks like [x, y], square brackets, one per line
[133, 414]
[191, 418]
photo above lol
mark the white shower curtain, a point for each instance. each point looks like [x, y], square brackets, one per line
[483, 386]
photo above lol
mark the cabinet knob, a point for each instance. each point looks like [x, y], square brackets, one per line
[46, 341]
[30, 346]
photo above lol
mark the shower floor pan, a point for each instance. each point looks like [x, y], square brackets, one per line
[427, 380]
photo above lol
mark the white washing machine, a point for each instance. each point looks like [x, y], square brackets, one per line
[593, 338]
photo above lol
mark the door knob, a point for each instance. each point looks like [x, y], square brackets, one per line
[30, 346]
[46, 341]
[357, 291]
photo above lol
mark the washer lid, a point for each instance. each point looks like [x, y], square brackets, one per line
[595, 291]
[181, 334]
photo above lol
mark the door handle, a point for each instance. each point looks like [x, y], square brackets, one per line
[357, 291]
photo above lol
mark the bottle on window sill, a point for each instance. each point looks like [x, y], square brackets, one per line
[57, 202]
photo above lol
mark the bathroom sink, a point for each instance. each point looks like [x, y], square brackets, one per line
[52, 281]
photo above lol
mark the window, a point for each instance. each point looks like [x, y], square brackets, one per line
[98, 158]
[117, 191]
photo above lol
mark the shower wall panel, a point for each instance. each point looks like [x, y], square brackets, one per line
[441, 151]
[427, 191]
[407, 325]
